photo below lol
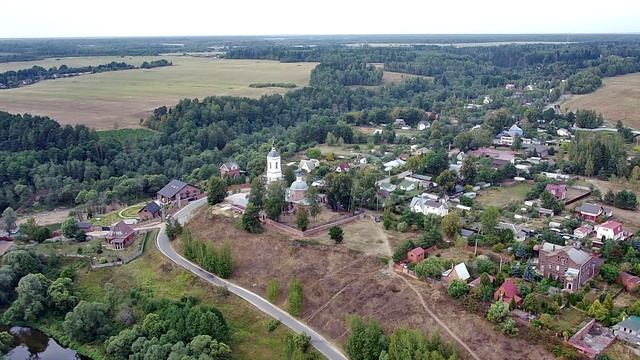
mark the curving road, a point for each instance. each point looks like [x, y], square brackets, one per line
[164, 245]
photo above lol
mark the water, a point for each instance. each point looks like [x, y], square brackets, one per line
[33, 344]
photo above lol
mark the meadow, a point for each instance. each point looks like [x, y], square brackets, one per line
[617, 99]
[119, 99]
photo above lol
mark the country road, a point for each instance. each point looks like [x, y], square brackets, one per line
[163, 243]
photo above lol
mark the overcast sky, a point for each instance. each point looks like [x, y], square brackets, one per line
[87, 18]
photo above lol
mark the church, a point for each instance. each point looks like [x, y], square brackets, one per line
[274, 167]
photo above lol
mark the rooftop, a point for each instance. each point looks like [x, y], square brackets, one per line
[172, 188]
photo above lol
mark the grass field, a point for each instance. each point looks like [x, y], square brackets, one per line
[503, 195]
[617, 99]
[120, 99]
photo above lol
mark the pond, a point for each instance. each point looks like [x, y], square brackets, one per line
[33, 344]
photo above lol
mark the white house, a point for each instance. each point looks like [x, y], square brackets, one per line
[583, 231]
[399, 123]
[504, 138]
[610, 230]
[425, 205]
[393, 164]
[309, 165]
[563, 132]
[487, 100]
[423, 125]
[407, 185]
[377, 131]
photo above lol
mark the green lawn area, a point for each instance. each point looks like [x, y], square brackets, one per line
[106, 219]
[501, 196]
[569, 318]
[125, 135]
[94, 248]
[153, 272]
[132, 211]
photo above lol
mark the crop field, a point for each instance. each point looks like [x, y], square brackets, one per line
[617, 100]
[119, 99]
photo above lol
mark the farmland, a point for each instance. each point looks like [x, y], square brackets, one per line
[617, 100]
[340, 281]
[120, 99]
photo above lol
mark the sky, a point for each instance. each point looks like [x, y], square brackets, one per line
[87, 18]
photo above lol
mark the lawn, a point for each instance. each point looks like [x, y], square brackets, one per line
[153, 272]
[94, 248]
[107, 219]
[131, 211]
[617, 99]
[501, 196]
[119, 99]
[569, 319]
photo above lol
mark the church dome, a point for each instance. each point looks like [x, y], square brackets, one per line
[273, 153]
[299, 185]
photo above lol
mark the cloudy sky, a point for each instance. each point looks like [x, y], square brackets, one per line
[86, 18]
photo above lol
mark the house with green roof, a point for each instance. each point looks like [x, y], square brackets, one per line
[628, 330]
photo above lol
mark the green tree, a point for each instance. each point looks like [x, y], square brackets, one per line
[314, 202]
[257, 194]
[251, 219]
[69, 227]
[531, 303]
[598, 311]
[609, 272]
[457, 288]
[447, 180]
[469, 170]
[87, 322]
[489, 219]
[509, 327]
[366, 340]
[9, 219]
[216, 190]
[430, 267]
[6, 342]
[295, 298]
[275, 202]
[498, 311]
[550, 202]
[273, 290]
[62, 294]
[336, 234]
[302, 219]
[32, 300]
[451, 224]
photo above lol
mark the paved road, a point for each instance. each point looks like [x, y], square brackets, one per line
[325, 347]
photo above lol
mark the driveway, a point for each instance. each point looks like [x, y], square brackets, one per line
[163, 243]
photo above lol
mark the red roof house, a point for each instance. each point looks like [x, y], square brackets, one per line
[508, 291]
[628, 281]
[343, 168]
[477, 281]
[558, 190]
[610, 229]
[121, 235]
[416, 255]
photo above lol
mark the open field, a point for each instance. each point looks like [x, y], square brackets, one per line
[617, 99]
[367, 130]
[501, 196]
[339, 282]
[392, 77]
[121, 98]
[153, 272]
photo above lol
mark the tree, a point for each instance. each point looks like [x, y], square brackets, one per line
[498, 311]
[275, 202]
[251, 219]
[62, 294]
[257, 194]
[9, 219]
[295, 298]
[457, 288]
[400, 252]
[216, 190]
[289, 175]
[469, 170]
[366, 340]
[314, 202]
[626, 199]
[447, 180]
[489, 219]
[509, 327]
[273, 290]
[87, 322]
[336, 234]
[302, 219]
[484, 265]
[531, 303]
[550, 202]
[431, 267]
[451, 224]
[32, 299]
[70, 227]
[598, 311]
[609, 272]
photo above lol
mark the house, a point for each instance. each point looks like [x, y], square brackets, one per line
[363, 161]
[120, 235]
[343, 168]
[592, 339]
[557, 190]
[85, 226]
[377, 131]
[423, 125]
[583, 231]
[432, 115]
[416, 255]
[515, 131]
[387, 187]
[477, 281]
[150, 211]
[591, 212]
[425, 205]
[487, 100]
[563, 132]
[504, 138]
[573, 267]
[466, 233]
[399, 123]
[545, 212]
[421, 151]
[388, 166]
[629, 282]
[508, 291]
[610, 230]
[456, 272]
[407, 185]
[230, 169]
[628, 330]
[537, 150]
[178, 193]
[510, 86]
[308, 165]
[423, 181]
[519, 234]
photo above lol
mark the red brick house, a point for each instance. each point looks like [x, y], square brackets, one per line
[629, 282]
[121, 235]
[508, 291]
[591, 212]
[557, 190]
[150, 211]
[416, 255]
[178, 193]
[230, 169]
[573, 267]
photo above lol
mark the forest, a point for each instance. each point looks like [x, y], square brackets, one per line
[13, 79]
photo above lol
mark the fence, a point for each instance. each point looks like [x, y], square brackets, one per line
[127, 259]
[313, 231]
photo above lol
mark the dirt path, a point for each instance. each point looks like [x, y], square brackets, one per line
[46, 217]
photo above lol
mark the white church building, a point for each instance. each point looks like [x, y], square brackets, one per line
[274, 166]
